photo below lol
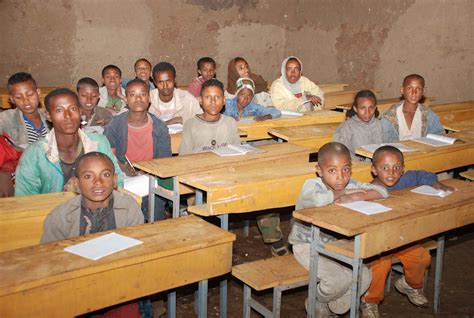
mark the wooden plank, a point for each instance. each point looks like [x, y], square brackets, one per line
[334, 87]
[453, 107]
[385, 231]
[182, 165]
[468, 174]
[174, 253]
[311, 136]
[259, 130]
[459, 125]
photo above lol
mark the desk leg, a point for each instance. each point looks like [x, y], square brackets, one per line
[199, 197]
[313, 272]
[171, 305]
[223, 284]
[438, 273]
[356, 279]
[175, 197]
[151, 199]
[202, 298]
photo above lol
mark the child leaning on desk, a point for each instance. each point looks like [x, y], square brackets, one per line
[388, 169]
[334, 185]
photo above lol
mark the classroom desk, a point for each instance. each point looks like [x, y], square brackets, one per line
[453, 107]
[335, 87]
[468, 174]
[435, 159]
[259, 130]
[44, 280]
[311, 136]
[384, 104]
[459, 125]
[385, 231]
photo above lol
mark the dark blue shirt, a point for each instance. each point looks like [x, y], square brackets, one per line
[414, 178]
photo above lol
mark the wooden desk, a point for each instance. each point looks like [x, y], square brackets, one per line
[335, 87]
[311, 136]
[45, 280]
[468, 174]
[453, 107]
[459, 125]
[384, 104]
[259, 130]
[385, 231]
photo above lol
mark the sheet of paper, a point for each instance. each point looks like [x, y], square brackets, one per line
[102, 246]
[175, 128]
[435, 142]
[427, 190]
[366, 207]
[246, 120]
[138, 185]
[289, 113]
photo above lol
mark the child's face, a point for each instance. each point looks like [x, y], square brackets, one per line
[25, 96]
[335, 171]
[138, 97]
[64, 114]
[207, 71]
[165, 83]
[212, 100]
[96, 181]
[242, 68]
[111, 79]
[244, 97]
[293, 71]
[388, 169]
[365, 108]
[413, 91]
[88, 97]
[143, 71]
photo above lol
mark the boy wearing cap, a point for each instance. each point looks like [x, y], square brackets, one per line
[242, 106]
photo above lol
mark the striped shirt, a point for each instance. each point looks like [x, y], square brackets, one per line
[33, 133]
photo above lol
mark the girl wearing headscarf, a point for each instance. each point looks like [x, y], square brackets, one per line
[294, 92]
[237, 68]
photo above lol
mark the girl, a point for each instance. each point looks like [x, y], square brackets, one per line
[363, 127]
[206, 70]
[242, 106]
[238, 67]
[294, 92]
[142, 68]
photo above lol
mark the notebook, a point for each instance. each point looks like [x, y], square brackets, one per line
[289, 113]
[427, 190]
[233, 150]
[436, 140]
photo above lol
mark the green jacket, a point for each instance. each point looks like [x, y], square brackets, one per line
[39, 170]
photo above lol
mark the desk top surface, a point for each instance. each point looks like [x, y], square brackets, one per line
[182, 165]
[304, 132]
[317, 115]
[40, 265]
[347, 222]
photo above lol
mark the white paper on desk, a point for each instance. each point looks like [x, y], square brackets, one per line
[139, 185]
[365, 207]
[103, 246]
[175, 128]
[234, 150]
[289, 113]
[403, 148]
[427, 190]
[436, 140]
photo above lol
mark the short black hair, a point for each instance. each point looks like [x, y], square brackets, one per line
[212, 82]
[136, 81]
[86, 81]
[206, 59]
[89, 155]
[113, 67]
[57, 92]
[164, 67]
[362, 94]
[386, 149]
[332, 149]
[20, 77]
[141, 60]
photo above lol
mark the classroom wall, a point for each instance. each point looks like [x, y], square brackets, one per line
[366, 43]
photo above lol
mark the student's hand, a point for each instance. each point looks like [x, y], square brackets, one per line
[314, 99]
[119, 94]
[127, 169]
[262, 118]
[6, 185]
[439, 186]
[351, 195]
[70, 186]
[345, 198]
[175, 120]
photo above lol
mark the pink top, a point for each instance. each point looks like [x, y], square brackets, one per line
[140, 142]
[195, 86]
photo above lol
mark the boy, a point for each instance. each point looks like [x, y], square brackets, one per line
[333, 185]
[209, 130]
[112, 95]
[388, 169]
[410, 119]
[142, 68]
[27, 123]
[98, 208]
[206, 68]
[172, 105]
[88, 92]
[46, 165]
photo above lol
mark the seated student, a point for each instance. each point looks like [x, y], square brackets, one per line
[26, 123]
[242, 106]
[211, 129]
[142, 69]
[46, 165]
[172, 105]
[362, 126]
[98, 208]
[206, 68]
[237, 68]
[294, 92]
[9, 157]
[88, 92]
[333, 185]
[112, 95]
[388, 169]
[410, 119]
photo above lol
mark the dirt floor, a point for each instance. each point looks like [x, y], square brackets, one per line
[457, 293]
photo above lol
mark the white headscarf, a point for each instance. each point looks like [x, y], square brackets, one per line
[293, 88]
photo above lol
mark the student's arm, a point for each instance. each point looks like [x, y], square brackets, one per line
[389, 132]
[434, 124]
[52, 230]
[234, 133]
[134, 213]
[282, 100]
[314, 195]
[164, 141]
[6, 185]
[263, 113]
[28, 177]
[357, 191]
[343, 135]
[187, 145]
[314, 90]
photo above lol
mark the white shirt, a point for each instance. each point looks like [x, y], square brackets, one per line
[414, 131]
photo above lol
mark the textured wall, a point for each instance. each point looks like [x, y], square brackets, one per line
[365, 43]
